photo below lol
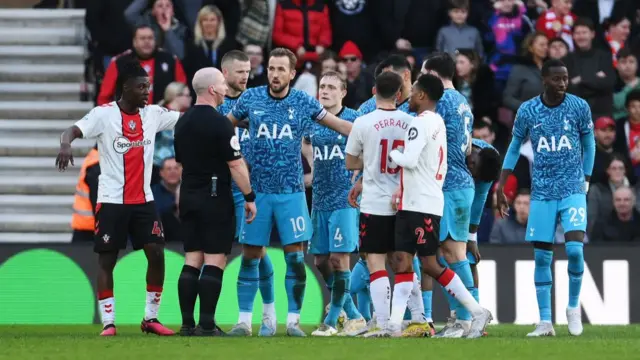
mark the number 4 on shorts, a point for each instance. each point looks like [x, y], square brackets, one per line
[338, 237]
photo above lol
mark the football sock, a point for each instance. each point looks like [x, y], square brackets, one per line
[338, 294]
[381, 297]
[575, 254]
[154, 295]
[475, 293]
[401, 293]
[451, 301]
[188, 293]
[427, 297]
[463, 270]
[209, 288]
[414, 303]
[452, 283]
[295, 281]
[543, 281]
[360, 288]
[107, 307]
[248, 279]
[265, 271]
[416, 267]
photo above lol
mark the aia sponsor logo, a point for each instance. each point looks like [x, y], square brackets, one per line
[122, 145]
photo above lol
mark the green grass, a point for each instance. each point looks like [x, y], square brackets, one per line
[505, 342]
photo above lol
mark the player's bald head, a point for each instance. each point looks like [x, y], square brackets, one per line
[206, 77]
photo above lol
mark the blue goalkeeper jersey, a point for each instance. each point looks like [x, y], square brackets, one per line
[331, 179]
[555, 134]
[242, 134]
[458, 119]
[370, 105]
[276, 129]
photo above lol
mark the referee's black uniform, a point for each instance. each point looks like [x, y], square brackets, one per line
[204, 142]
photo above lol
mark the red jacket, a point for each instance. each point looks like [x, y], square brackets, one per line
[302, 23]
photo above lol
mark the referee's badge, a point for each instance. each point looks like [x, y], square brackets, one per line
[235, 143]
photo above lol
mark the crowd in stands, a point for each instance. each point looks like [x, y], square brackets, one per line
[499, 47]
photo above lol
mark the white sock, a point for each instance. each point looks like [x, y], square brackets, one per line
[451, 281]
[292, 319]
[401, 293]
[415, 304]
[108, 311]
[153, 304]
[381, 297]
[269, 309]
[245, 318]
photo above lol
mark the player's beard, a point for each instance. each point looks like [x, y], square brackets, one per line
[237, 87]
[278, 89]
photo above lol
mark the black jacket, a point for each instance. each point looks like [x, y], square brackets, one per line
[597, 91]
[110, 31]
[611, 229]
[198, 56]
[358, 21]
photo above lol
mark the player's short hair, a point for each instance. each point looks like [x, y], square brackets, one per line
[431, 85]
[388, 84]
[459, 4]
[633, 95]
[397, 62]
[551, 63]
[282, 52]
[335, 75]
[442, 64]
[586, 22]
[234, 55]
[491, 165]
[130, 69]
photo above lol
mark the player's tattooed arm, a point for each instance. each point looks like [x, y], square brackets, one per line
[64, 154]
[334, 123]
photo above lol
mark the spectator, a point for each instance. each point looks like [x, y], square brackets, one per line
[475, 81]
[509, 27]
[176, 97]
[458, 34]
[484, 131]
[86, 198]
[109, 29]
[591, 73]
[558, 49]
[255, 23]
[558, 21]
[512, 229]
[359, 83]
[187, 11]
[416, 24]
[303, 27]
[209, 43]
[258, 74]
[600, 197]
[162, 67]
[605, 134]
[628, 75]
[621, 224]
[307, 81]
[328, 62]
[164, 195]
[597, 11]
[618, 30]
[361, 22]
[169, 33]
[525, 79]
[628, 132]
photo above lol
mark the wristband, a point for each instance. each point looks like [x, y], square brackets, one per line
[473, 237]
[586, 186]
[250, 197]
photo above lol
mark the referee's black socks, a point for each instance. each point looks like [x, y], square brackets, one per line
[209, 289]
[188, 293]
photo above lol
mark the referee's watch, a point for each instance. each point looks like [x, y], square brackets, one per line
[250, 197]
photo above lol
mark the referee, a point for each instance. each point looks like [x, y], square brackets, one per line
[206, 145]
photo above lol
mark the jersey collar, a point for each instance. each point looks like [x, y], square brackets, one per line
[275, 98]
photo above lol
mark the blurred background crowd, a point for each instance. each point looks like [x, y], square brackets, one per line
[499, 47]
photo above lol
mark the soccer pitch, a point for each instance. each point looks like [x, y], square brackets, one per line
[505, 342]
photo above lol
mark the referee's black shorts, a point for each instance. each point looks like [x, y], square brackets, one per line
[208, 223]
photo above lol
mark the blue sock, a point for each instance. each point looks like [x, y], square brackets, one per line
[267, 289]
[248, 280]
[360, 288]
[575, 254]
[543, 280]
[349, 306]
[427, 297]
[416, 267]
[329, 282]
[295, 281]
[476, 294]
[463, 270]
[341, 283]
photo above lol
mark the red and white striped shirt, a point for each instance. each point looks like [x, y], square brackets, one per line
[125, 143]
